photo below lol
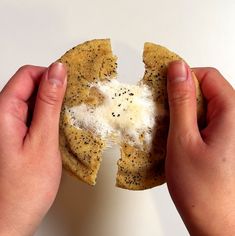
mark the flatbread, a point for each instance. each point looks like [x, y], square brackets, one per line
[88, 62]
[81, 150]
[142, 170]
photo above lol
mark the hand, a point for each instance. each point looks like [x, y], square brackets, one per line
[30, 164]
[200, 165]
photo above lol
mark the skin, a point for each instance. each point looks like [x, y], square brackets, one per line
[199, 166]
[30, 163]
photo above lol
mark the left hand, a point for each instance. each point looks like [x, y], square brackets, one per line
[30, 163]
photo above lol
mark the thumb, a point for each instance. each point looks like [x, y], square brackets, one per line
[45, 123]
[182, 99]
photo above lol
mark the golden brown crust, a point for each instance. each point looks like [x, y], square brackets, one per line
[81, 150]
[89, 62]
[138, 170]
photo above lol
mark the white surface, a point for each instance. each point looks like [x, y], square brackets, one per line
[38, 32]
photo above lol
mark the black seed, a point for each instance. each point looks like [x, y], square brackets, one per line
[118, 115]
[131, 94]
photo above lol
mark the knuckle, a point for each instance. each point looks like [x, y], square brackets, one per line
[213, 70]
[49, 97]
[179, 98]
[24, 68]
[187, 139]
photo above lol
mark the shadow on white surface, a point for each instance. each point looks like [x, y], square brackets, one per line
[101, 210]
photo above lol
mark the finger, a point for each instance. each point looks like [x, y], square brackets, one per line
[182, 99]
[23, 82]
[213, 84]
[217, 91]
[45, 122]
[13, 106]
[220, 104]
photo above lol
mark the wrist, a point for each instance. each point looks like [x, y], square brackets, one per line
[13, 228]
[16, 222]
[208, 222]
[7, 228]
[211, 227]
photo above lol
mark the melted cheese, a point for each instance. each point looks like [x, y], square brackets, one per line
[127, 114]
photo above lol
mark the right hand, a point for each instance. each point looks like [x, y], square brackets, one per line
[200, 165]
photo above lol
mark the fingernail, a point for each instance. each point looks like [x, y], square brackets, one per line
[177, 72]
[56, 74]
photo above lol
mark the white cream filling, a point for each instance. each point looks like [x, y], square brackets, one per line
[127, 112]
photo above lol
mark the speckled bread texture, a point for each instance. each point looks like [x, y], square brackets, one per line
[81, 150]
[138, 169]
[86, 63]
